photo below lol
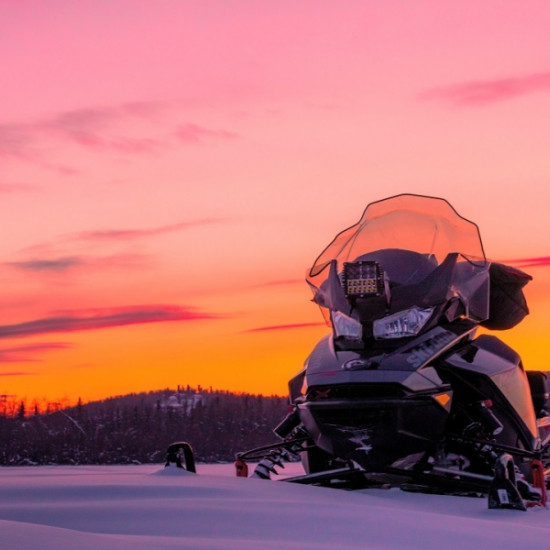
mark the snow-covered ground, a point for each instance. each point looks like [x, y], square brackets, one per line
[149, 507]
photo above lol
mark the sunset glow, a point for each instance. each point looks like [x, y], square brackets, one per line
[169, 170]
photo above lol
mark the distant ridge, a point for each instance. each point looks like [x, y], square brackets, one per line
[137, 428]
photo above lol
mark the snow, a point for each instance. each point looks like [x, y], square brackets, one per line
[149, 507]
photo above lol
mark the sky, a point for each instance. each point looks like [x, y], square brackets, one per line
[169, 170]
[143, 507]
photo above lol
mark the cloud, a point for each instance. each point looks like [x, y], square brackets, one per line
[93, 128]
[102, 318]
[46, 255]
[15, 141]
[55, 265]
[22, 142]
[65, 264]
[541, 261]
[291, 326]
[130, 234]
[192, 133]
[484, 92]
[21, 354]
[104, 129]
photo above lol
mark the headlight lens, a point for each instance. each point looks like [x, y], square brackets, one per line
[408, 322]
[346, 326]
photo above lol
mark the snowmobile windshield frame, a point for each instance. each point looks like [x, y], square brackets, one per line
[425, 227]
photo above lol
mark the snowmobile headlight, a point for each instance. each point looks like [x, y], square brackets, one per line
[408, 322]
[363, 279]
[346, 326]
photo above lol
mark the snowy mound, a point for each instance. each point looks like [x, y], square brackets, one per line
[172, 471]
[145, 507]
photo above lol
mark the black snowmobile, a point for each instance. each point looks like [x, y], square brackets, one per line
[402, 392]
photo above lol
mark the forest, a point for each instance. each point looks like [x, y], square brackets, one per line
[137, 428]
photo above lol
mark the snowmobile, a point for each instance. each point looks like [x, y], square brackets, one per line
[410, 388]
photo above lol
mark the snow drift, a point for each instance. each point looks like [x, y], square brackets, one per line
[149, 507]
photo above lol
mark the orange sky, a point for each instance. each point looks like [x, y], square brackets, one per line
[168, 171]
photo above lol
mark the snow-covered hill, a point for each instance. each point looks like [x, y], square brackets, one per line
[149, 507]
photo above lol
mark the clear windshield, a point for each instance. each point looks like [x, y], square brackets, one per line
[411, 236]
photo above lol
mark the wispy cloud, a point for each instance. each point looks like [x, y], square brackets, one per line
[93, 319]
[484, 92]
[104, 129]
[52, 265]
[130, 234]
[24, 354]
[522, 263]
[65, 264]
[93, 128]
[58, 256]
[22, 142]
[193, 133]
[291, 326]
[15, 141]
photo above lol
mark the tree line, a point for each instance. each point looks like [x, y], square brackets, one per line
[137, 428]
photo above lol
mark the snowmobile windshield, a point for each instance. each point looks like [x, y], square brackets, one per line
[406, 251]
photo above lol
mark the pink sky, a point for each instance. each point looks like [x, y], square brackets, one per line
[168, 171]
